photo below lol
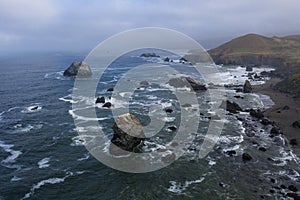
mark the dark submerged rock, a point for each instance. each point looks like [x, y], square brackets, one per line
[34, 108]
[78, 69]
[128, 132]
[246, 157]
[256, 113]
[172, 128]
[293, 142]
[247, 88]
[110, 90]
[168, 110]
[296, 124]
[100, 100]
[107, 105]
[167, 59]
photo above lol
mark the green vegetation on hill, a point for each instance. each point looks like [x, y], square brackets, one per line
[253, 49]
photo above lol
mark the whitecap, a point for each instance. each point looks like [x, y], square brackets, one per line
[15, 178]
[14, 154]
[56, 75]
[85, 157]
[42, 183]
[180, 188]
[78, 117]
[44, 163]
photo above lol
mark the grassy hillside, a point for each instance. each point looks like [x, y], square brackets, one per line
[253, 49]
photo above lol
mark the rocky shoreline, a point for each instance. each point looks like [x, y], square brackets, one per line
[284, 113]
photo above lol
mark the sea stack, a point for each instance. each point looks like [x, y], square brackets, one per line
[78, 69]
[128, 132]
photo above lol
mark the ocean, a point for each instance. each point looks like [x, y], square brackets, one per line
[42, 156]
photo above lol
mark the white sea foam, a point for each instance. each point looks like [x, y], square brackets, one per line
[15, 178]
[68, 99]
[45, 182]
[19, 128]
[180, 188]
[75, 116]
[44, 163]
[14, 154]
[85, 157]
[56, 75]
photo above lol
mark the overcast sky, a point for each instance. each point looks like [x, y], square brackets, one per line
[60, 25]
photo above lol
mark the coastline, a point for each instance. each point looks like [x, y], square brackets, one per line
[284, 112]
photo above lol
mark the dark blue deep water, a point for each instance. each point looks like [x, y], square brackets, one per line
[42, 156]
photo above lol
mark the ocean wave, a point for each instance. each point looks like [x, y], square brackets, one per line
[179, 188]
[45, 182]
[20, 128]
[14, 154]
[44, 163]
[56, 75]
[75, 116]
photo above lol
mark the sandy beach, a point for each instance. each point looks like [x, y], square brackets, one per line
[285, 111]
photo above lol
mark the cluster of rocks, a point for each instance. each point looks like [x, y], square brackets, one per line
[181, 60]
[180, 82]
[147, 55]
[101, 100]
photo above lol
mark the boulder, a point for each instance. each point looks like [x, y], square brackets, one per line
[275, 131]
[168, 110]
[147, 55]
[107, 105]
[144, 83]
[100, 100]
[265, 121]
[167, 59]
[256, 113]
[247, 87]
[293, 142]
[249, 68]
[128, 132]
[296, 124]
[78, 69]
[246, 157]
[231, 107]
[34, 108]
[187, 82]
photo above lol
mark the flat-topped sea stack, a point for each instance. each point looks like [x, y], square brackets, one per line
[78, 69]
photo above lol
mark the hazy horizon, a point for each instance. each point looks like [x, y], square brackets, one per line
[58, 26]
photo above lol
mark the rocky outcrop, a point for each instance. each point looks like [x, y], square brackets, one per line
[256, 113]
[249, 68]
[107, 105]
[100, 100]
[78, 69]
[247, 88]
[231, 107]
[128, 132]
[147, 55]
[246, 157]
[189, 82]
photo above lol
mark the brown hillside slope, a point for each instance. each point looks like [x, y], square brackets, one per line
[253, 49]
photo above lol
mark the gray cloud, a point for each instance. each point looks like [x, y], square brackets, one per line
[81, 25]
